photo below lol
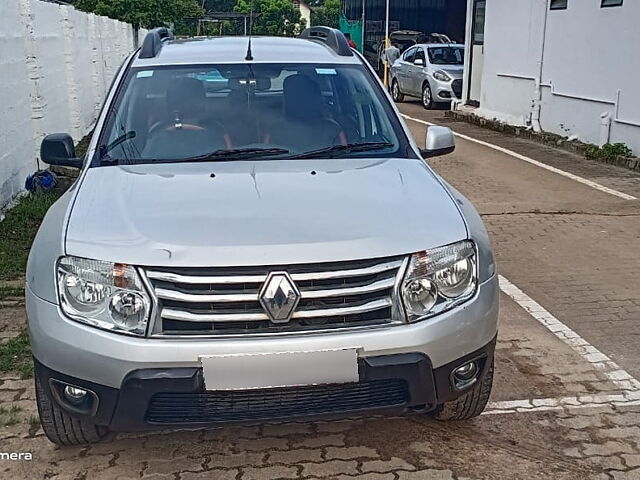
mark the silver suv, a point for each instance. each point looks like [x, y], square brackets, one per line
[254, 235]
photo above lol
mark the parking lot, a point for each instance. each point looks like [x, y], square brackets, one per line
[566, 402]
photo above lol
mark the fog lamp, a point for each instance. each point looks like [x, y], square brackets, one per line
[465, 375]
[75, 395]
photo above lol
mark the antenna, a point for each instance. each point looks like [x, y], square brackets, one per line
[249, 56]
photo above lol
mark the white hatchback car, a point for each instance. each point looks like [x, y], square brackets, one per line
[431, 71]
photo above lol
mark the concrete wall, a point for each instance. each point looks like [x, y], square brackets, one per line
[589, 67]
[56, 64]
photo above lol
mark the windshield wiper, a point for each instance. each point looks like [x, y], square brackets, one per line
[338, 150]
[121, 139]
[237, 154]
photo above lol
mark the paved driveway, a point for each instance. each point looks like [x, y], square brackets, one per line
[566, 404]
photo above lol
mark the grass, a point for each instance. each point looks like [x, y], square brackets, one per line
[610, 151]
[9, 416]
[17, 231]
[8, 292]
[15, 356]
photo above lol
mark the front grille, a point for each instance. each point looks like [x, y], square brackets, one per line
[219, 301]
[256, 405]
[456, 86]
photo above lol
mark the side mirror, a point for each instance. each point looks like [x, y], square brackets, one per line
[58, 149]
[419, 62]
[440, 141]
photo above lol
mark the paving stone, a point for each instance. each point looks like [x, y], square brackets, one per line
[383, 466]
[333, 467]
[607, 448]
[215, 474]
[632, 460]
[628, 475]
[295, 456]
[366, 476]
[580, 423]
[116, 472]
[606, 463]
[345, 453]
[318, 441]
[261, 444]
[626, 418]
[620, 432]
[237, 460]
[268, 473]
[426, 475]
[284, 429]
[337, 426]
[572, 452]
[174, 465]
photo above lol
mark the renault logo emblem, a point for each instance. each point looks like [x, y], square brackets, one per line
[279, 297]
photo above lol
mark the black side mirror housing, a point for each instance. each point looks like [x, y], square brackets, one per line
[58, 149]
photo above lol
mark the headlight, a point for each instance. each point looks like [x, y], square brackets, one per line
[442, 76]
[439, 279]
[103, 294]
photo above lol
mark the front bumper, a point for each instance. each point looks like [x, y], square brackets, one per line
[171, 397]
[447, 91]
[84, 352]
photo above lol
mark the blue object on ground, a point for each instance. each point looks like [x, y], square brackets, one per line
[41, 181]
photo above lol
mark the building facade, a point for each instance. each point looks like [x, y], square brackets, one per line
[305, 11]
[569, 67]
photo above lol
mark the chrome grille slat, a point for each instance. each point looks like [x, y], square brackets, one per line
[332, 312]
[199, 280]
[173, 314]
[356, 272]
[225, 301]
[297, 277]
[343, 292]
[213, 298]
[255, 317]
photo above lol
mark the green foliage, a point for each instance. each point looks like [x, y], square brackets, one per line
[276, 17]
[219, 5]
[15, 356]
[143, 13]
[17, 231]
[9, 416]
[327, 15]
[609, 151]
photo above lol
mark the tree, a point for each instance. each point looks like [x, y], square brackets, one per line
[275, 17]
[219, 5]
[143, 13]
[327, 15]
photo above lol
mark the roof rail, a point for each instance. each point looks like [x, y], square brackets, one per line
[331, 37]
[152, 43]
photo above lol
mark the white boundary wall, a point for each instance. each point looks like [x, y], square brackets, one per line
[56, 64]
[590, 67]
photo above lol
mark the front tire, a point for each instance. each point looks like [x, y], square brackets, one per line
[396, 94]
[469, 405]
[60, 427]
[427, 96]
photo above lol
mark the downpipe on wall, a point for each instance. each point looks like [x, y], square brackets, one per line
[537, 100]
[605, 128]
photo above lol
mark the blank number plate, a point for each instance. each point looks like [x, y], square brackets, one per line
[287, 369]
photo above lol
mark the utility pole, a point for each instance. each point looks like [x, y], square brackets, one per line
[364, 24]
[386, 47]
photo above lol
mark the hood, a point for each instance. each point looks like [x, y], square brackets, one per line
[454, 71]
[260, 213]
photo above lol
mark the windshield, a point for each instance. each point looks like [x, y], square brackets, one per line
[446, 55]
[232, 112]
